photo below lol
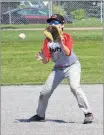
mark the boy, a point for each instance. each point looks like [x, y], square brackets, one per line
[66, 66]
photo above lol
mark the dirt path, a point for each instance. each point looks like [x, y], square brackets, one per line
[80, 28]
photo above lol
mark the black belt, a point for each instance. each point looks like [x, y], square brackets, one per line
[62, 67]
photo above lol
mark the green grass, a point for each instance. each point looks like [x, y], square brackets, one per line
[19, 65]
[91, 22]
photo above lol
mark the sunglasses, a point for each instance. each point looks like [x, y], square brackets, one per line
[54, 22]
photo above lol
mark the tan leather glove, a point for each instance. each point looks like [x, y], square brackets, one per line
[53, 33]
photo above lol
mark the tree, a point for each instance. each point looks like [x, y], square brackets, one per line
[59, 9]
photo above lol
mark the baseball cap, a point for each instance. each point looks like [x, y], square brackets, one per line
[58, 17]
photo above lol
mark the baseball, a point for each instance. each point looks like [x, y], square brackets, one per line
[22, 35]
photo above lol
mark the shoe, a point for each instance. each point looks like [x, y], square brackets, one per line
[88, 118]
[36, 118]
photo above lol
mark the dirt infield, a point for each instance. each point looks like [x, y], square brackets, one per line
[81, 28]
[63, 117]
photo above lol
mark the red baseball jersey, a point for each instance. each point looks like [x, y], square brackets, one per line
[53, 50]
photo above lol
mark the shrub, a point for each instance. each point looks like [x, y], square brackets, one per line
[78, 14]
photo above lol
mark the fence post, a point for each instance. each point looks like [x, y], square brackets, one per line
[101, 4]
[0, 12]
[50, 8]
[10, 19]
[10, 22]
[103, 39]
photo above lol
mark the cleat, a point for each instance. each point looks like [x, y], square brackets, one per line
[88, 118]
[36, 118]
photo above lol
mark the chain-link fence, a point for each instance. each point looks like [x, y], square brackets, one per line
[79, 10]
[32, 12]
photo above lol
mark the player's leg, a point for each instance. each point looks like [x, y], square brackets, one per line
[74, 74]
[51, 83]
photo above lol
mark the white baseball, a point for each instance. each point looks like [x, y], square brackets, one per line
[22, 35]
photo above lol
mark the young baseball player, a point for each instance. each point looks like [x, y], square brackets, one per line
[66, 66]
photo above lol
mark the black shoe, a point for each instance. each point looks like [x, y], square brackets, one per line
[36, 118]
[88, 118]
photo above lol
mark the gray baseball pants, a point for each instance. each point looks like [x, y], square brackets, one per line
[72, 73]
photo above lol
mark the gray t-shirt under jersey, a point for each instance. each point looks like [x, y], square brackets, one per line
[58, 56]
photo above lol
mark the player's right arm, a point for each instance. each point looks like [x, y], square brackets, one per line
[40, 56]
[44, 55]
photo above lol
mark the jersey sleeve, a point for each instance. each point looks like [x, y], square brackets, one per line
[46, 50]
[68, 42]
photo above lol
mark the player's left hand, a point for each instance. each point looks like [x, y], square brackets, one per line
[62, 40]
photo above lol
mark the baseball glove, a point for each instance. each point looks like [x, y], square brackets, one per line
[53, 33]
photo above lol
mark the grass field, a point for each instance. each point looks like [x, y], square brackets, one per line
[19, 65]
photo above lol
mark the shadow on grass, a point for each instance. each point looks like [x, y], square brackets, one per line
[10, 27]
